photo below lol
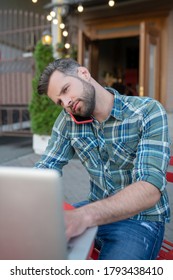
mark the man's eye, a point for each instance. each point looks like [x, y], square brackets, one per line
[65, 89]
[59, 102]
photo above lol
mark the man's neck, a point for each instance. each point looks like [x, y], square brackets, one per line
[104, 104]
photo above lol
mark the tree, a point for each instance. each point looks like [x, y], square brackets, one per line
[43, 112]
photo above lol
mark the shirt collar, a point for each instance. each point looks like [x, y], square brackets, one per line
[118, 103]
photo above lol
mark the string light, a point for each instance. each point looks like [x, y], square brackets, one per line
[67, 45]
[65, 33]
[80, 8]
[62, 25]
[53, 14]
[49, 17]
[111, 3]
[55, 21]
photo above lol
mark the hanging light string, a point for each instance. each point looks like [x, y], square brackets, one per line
[111, 3]
[80, 8]
[53, 17]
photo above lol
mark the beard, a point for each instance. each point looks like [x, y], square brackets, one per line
[88, 99]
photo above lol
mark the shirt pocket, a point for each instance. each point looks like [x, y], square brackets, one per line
[87, 151]
[124, 154]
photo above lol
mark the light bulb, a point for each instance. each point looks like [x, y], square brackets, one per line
[80, 8]
[62, 25]
[34, 1]
[49, 18]
[46, 38]
[111, 3]
[55, 21]
[65, 33]
[53, 14]
[67, 45]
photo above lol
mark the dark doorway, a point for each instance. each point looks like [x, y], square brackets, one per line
[118, 64]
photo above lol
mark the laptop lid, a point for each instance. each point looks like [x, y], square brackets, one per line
[31, 215]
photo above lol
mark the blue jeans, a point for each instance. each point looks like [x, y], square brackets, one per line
[129, 239]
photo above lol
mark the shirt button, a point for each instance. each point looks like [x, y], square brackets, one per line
[105, 168]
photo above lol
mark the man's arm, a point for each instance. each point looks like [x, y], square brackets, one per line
[59, 150]
[126, 203]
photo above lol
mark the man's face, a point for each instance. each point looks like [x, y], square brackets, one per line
[74, 94]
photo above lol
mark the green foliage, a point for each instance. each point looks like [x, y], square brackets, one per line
[43, 112]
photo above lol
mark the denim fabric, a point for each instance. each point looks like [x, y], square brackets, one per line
[129, 239]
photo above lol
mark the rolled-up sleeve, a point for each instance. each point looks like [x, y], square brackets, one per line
[153, 151]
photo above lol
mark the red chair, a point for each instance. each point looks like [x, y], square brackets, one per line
[169, 177]
[171, 161]
[166, 251]
[68, 206]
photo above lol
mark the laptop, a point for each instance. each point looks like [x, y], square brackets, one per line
[32, 217]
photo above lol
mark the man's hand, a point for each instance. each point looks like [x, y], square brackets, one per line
[75, 222]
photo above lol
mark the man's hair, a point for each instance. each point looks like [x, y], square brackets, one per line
[67, 66]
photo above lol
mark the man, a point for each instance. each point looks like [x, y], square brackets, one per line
[123, 143]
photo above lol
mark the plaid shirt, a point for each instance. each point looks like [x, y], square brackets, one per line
[131, 145]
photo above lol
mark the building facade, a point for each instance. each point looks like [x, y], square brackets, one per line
[128, 46]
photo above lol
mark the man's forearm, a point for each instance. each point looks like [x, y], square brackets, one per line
[126, 203]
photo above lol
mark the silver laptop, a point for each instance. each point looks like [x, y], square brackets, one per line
[31, 217]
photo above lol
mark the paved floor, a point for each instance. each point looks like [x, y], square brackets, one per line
[76, 181]
[12, 147]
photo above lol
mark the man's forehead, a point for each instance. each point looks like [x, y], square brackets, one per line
[54, 82]
[57, 82]
[56, 75]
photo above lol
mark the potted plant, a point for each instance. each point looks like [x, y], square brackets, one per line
[43, 112]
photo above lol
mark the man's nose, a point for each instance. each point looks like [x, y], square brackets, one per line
[67, 102]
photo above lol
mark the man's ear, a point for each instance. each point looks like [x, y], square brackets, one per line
[83, 73]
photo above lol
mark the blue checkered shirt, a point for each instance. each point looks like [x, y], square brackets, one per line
[131, 145]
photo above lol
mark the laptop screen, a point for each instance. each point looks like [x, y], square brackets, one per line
[32, 217]
[31, 214]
